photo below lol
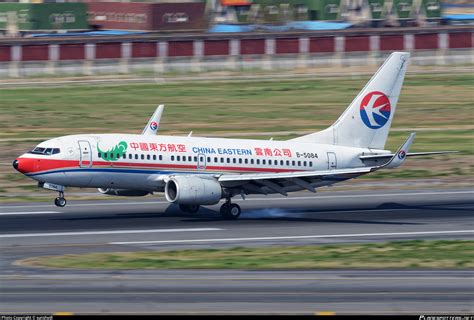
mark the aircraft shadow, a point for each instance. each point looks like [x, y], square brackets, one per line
[293, 214]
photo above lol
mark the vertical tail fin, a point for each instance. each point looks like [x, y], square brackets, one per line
[366, 122]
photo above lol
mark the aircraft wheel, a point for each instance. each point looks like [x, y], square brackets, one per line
[60, 202]
[230, 211]
[189, 208]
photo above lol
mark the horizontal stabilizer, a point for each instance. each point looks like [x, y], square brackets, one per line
[411, 154]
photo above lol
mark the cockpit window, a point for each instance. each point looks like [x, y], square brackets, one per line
[45, 151]
[37, 150]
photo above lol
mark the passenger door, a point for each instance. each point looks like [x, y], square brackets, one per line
[85, 154]
[332, 161]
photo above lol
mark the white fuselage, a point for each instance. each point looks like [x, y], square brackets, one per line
[140, 162]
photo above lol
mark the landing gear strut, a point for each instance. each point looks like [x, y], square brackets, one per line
[60, 201]
[230, 211]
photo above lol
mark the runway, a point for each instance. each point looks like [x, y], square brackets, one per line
[32, 229]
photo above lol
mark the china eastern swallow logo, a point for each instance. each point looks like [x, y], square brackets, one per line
[375, 109]
[402, 154]
[153, 125]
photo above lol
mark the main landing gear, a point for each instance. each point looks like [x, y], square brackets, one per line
[60, 201]
[230, 211]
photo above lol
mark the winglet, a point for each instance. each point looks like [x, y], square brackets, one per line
[154, 122]
[400, 156]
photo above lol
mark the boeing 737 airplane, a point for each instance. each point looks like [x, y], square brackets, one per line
[195, 171]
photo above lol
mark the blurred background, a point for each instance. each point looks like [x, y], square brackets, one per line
[94, 37]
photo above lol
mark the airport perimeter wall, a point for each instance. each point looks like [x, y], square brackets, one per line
[205, 52]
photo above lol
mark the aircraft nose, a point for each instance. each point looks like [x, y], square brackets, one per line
[15, 164]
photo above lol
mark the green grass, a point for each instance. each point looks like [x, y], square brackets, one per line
[439, 107]
[401, 254]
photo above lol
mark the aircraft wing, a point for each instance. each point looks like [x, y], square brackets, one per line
[309, 180]
[283, 182]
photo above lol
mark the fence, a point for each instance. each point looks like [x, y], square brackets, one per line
[24, 57]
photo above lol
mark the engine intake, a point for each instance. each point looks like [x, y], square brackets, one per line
[123, 192]
[193, 190]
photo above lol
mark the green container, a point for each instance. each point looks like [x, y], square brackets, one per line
[403, 9]
[432, 9]
[44, 16]
[300, 10]
[324, 9]
[377, 9]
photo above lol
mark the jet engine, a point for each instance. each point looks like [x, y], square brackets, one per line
[193, 190]
[123, 192]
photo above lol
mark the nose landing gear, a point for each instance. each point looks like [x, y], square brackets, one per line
[60, 201]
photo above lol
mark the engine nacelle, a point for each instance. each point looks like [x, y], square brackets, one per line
[193, 190]
[123, 192]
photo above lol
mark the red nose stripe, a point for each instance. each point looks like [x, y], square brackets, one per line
[32, 165]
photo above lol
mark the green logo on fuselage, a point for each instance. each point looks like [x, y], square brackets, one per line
[113, 154]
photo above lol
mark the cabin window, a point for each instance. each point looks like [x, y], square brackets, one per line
[154, 157]
[269, 162]
[172, 158]
[304, 163]
[287, 162]
[293, 163]
[160, 157]
[222, 160]
[195, 159]
[258, 161]
[105, 155]
[136, 157]
[190, 158]
[281, 162]
[263, 161]
[178, 158]
[130, 156]
[240, 160]
[234, 160]
[99, 155]
[148, 157]
[299, 163]
[208, 159]
[311, 163]
[228, 160]
[251, 161]
[246, 161]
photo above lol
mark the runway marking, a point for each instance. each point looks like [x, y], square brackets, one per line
[295, 237]
[229, 293]
[258, 199]
[27, 212]
[28, 235]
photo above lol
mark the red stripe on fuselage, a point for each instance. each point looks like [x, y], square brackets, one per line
[34, 165]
